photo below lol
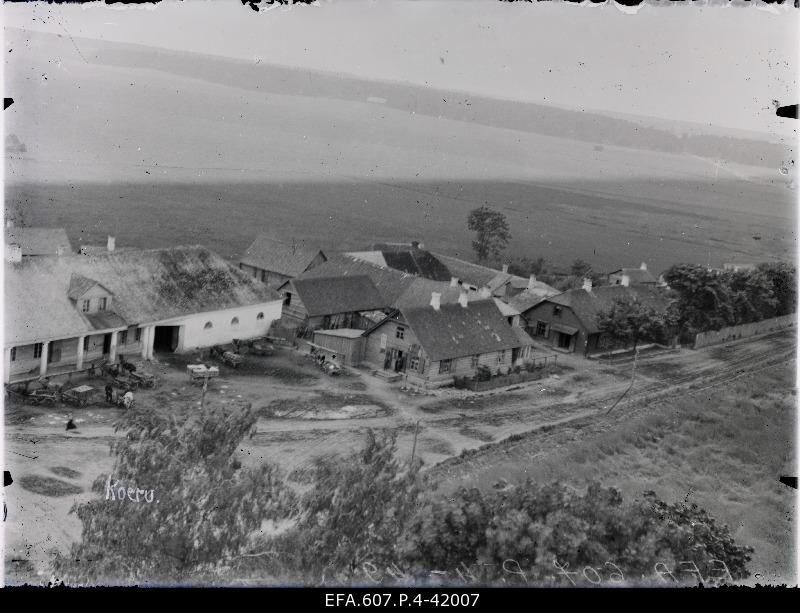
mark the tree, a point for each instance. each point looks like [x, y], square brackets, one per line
[629, 321]
[704, 301]
[492, 232]
[752, 296]
[783, 278]
[177, 504]
[353, 514]
[580, 268]
[550, 534]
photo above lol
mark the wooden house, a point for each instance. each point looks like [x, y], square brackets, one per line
[431, 344]
[274, 262]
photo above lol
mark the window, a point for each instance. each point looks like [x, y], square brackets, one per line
[541, 328]
[260, 316]
[413, 363]
[85, 305]
[264, 276]
[86, 343]
[400, 332]
[474, 361]
[137, 336]
[501, 357]
[208, 326]
[37, 350]
[287, 300]
[444, 366]
[13, 354]
[103, 304]
[123, 337]
[557, 310]
[235, 322]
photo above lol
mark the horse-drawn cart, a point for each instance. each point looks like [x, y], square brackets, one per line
[43, 396]
[144, 379]
[256, 346]
[78, 396]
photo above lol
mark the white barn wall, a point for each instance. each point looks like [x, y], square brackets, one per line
[194, 335]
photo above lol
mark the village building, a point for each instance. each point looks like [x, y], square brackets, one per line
[739, 266]
[24, 242]
[274, 262]
[433, 343]
[632, 276]
[350, 301]
[568, 321]
[65, 313]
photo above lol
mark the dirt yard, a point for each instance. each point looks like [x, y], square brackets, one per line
[462, 437]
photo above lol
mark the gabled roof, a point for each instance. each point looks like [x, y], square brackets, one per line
[79, 285]
[343, 294]
[587, 304]
[455, 331]
[39, 241]
[530, 298]
[148, 286]
[285, 258]
[474, 274]
[390, 283]
[411, 260]
[636, 275]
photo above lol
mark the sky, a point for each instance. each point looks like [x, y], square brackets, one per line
[711, 64]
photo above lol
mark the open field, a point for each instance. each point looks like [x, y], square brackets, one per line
[677, 432]
[251, 149]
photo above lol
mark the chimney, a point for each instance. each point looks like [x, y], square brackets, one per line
[13, 253]
[112, 243]
[626, 280]
[453, 281]
[60, 250]
[532, 282]
[463, 298]
[643, 266]
[436, 300]
[9, 223]
[505, 269]
[484, 292]
[587, 284]
[415, 244]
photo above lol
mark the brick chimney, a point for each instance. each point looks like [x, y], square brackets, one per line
[112, 243]
[13, 253]
[484, 292]
[463, 298]
[505, 269]
[587, 284]
[626, 280]
[532, 282]
[453, 281]
[643, 266]
[436, 300]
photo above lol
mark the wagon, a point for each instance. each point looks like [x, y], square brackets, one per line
[256, 346]
[200, 372]
[232, 359]
[79, 396]
[45, 396]
[144, 379]
[126, 383]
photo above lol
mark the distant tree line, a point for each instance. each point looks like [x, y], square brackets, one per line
[368, 518]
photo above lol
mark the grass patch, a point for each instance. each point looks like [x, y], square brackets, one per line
[48, 486]
[475, 433]
[63, 471]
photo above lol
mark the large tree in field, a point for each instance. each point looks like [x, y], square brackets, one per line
[177, 506]
[492, 232]
[628, 321]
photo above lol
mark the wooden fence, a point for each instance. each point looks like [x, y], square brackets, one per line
[734, 333]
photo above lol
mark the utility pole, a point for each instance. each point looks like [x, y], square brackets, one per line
[633, 377]
[414, 447]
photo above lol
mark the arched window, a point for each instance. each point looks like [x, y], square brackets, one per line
[208, 326]
[235, 322]
[260, 316]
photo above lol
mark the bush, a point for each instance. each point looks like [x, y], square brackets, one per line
[201, 511]
[483, 373]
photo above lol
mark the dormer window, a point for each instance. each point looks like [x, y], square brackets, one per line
[85, 305]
